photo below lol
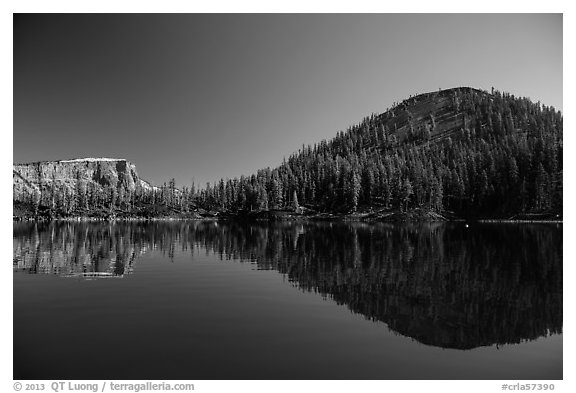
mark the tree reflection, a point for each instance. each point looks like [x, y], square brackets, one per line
[445, 285]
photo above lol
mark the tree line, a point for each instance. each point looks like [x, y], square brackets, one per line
[504, 157]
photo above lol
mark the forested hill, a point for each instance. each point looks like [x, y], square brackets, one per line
[459, 152]
[462, 150]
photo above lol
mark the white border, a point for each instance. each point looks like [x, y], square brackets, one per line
[298, 6]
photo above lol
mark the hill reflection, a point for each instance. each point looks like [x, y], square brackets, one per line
[444, 285]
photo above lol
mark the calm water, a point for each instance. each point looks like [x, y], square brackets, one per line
[207, 300]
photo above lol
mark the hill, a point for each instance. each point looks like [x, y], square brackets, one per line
[460, 152]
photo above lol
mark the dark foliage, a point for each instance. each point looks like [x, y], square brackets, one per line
[462, 151]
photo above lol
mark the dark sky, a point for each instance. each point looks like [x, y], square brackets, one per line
[201, 97]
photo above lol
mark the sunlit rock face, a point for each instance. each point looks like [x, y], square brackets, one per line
[90, 173]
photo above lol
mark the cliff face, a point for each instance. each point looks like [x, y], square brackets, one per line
[95, 174]
[439, 114]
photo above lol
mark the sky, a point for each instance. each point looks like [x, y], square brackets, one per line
[199, 97]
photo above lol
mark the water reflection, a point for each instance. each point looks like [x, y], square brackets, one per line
[444, 285]
[83, 250]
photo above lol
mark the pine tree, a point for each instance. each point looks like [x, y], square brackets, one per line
[222, 194]
[113, 197]
[171, 199]
[36, 197]
[354, 193]
[540, 187]
[121, 202]
[295, 204]
[262, 198]
[407, 192]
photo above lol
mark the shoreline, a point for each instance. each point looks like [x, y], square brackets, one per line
[309, 218]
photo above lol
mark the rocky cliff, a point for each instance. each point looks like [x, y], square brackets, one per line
[91, 174]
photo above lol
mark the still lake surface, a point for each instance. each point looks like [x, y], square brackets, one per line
[289, 300]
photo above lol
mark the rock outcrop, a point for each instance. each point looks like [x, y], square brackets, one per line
[95, 174]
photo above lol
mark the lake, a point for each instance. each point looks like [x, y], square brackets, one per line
[287, 300]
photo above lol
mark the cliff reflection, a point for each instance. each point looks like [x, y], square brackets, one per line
[89, 250]
[441, 284]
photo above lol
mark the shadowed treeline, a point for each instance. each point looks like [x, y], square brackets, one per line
[444, 285]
